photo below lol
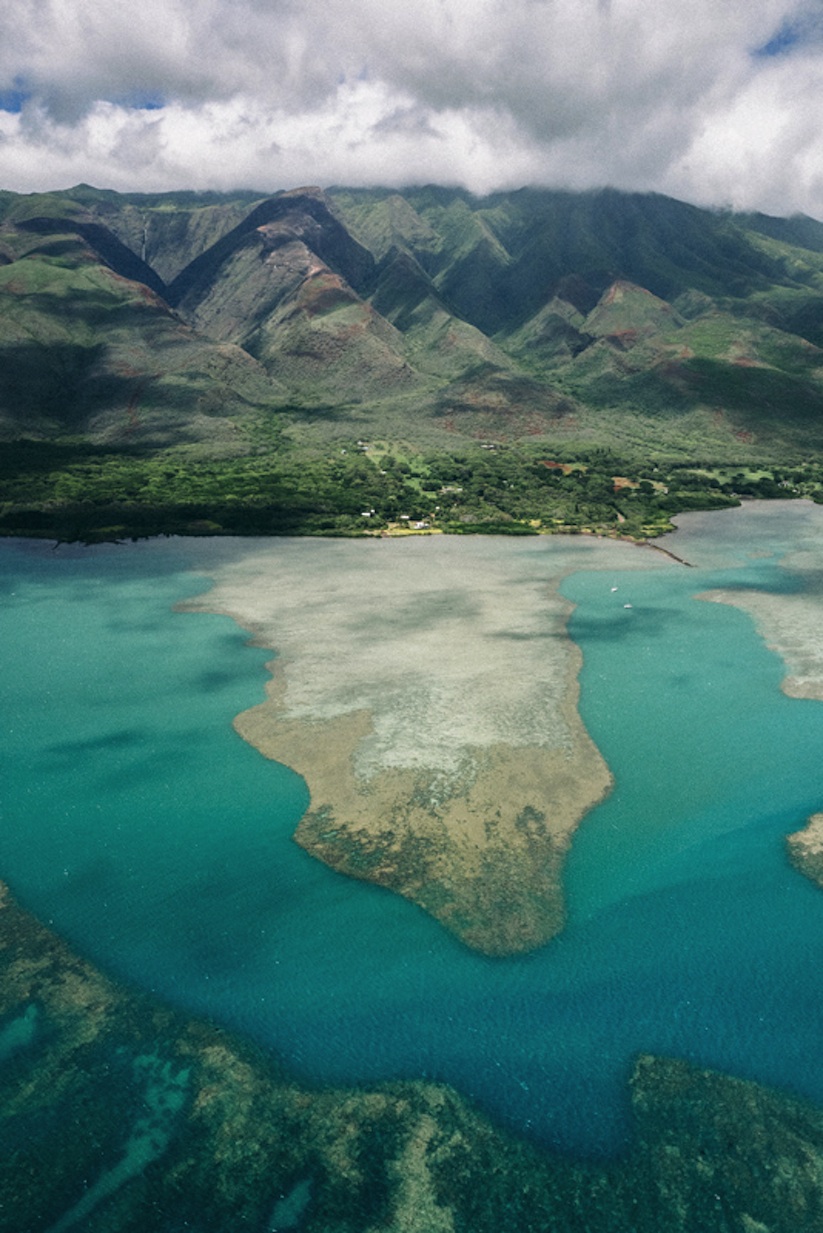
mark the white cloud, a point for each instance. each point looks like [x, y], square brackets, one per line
[766, 146]
[487, 93]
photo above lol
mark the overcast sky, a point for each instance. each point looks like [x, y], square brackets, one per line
[714, 101]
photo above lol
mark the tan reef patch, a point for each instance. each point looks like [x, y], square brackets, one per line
[791, 627]
[481, 848]
[805, 848]
[427, 692]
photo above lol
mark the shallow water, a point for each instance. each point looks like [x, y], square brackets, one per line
[158, 842]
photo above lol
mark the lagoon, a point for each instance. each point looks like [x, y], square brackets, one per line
[139, 824]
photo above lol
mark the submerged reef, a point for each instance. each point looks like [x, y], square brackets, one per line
[427, 691]
[787, 617]
[790, 626]
[805, 849]
[480, 847]
[119, 1115]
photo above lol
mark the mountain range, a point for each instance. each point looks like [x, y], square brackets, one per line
[223, 326]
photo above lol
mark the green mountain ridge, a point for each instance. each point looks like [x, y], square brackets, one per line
[431, 321]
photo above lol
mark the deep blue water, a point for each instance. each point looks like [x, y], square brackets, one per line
[157, 841]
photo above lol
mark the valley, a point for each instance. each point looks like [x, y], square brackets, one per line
[360, 361]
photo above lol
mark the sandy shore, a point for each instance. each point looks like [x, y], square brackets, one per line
[427, 692]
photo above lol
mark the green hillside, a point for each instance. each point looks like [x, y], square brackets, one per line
[337, 361]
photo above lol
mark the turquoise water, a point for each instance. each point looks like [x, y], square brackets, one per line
[157, 841]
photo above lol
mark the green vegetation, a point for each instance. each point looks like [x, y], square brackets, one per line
[363, 361]
[71, 490]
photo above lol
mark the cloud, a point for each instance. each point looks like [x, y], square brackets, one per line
[802, 28]
[712, 102]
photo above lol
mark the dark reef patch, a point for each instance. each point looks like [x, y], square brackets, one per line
[118, 1115]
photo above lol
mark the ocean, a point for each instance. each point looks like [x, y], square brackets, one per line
[143, 829]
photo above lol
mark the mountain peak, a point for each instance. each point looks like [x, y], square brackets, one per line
[626, 310]
[471, 308]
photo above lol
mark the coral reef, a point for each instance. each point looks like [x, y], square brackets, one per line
[118, 1115]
